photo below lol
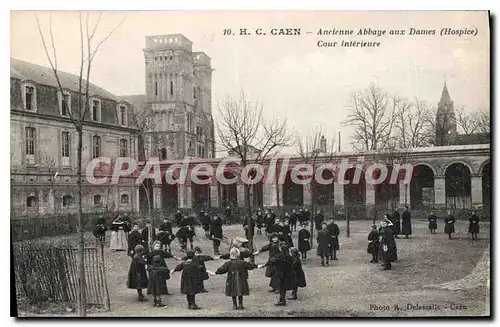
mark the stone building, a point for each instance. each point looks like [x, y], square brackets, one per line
[44, 143]
[177, 103]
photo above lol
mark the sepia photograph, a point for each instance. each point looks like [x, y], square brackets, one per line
[250, 164]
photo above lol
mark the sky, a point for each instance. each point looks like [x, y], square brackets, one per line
[292, 77]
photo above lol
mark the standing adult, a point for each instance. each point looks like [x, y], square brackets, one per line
[396, 223]
[333, 228]
[449, 224]
[118, 240]
[318, 220]
[178, 218]
[386, 238]
[293, 220]
[205, 223]
[146, 237]
[474, 225]
[406, 217]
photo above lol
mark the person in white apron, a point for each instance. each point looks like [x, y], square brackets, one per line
[118, 240]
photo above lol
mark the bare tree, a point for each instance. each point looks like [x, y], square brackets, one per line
[467, 122]
[89, 47]
[411, 124]
[313, 149]
[483, 121]
[372, 116]
[243, 131]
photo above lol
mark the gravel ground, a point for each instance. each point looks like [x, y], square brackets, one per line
[349, 287]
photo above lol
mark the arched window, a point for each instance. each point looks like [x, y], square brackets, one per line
[97, 200]
[194, 92]
[124, 199]
[31, 201]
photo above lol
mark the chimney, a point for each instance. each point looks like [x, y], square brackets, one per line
[322, 144]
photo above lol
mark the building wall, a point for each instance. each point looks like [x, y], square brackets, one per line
[38, 179]
[179, 93]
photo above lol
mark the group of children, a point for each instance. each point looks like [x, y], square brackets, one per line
[148, 270]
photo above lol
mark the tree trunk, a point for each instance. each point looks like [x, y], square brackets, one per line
[81, 229]
[249, 220]
[347, 222]
[312, 223]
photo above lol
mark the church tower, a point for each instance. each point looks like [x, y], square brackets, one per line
[178, 94]
[446, 124]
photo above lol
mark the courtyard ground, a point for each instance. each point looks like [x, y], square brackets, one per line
[349, 287]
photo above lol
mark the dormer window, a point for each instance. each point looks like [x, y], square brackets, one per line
[29, 97]
[64, 104]
[96, 110]
[122, 115]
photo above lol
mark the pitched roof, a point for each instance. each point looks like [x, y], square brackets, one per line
[43, 75]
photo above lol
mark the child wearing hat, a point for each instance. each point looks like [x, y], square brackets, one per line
[190, 279]
[237, 277]
[137, 277]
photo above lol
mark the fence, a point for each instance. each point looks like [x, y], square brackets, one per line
[46, 273]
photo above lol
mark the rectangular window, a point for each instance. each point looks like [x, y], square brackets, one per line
[96, 146]
[123, 115]
[96, 110]
[65, 105]
[30, 92]
[156, 88]
[30, 145]
[66, 146]
[123, 148]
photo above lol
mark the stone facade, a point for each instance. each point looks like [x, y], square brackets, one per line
[179, 96]
[438, 160]
[44, 142]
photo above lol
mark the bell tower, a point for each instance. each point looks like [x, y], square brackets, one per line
[446, 124]
[178, 96]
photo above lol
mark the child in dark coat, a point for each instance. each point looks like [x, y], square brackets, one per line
[304, 243]
[299, 277]
[157, 251]
[137, 276]
[237, 277]
[373, 244]
[200, 259]
[432, 223]
[158, 275]
[282, 263]
[274, 248]
[190, 279]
